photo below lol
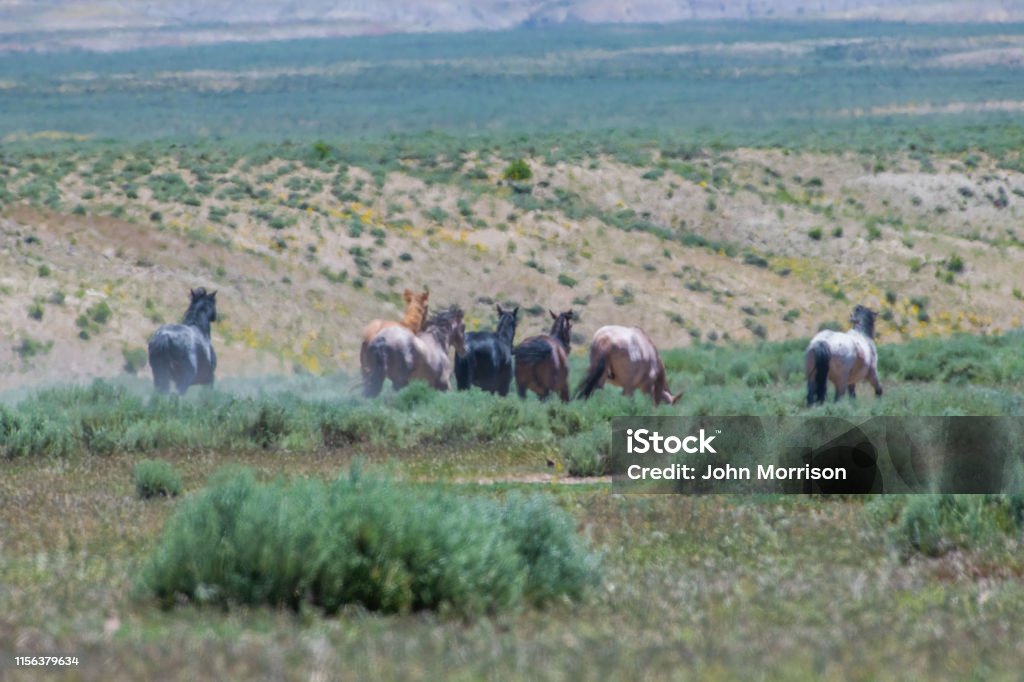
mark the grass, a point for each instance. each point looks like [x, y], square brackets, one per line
[962, 374]
[156, 478]
[710, 587]
[703, 586]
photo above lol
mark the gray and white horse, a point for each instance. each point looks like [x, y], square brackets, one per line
[844, 358]
[182, 353]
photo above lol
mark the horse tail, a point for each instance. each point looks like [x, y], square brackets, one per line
[161, 361]
[818, 358]
[376, 369]
[462, 370]
[594, 376]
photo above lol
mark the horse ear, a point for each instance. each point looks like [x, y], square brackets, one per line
[213, 294]
[676, 397]
[500, 311]
[407, 295]
[425, 295]
[515, 311]
[553, 316]
[191, 293]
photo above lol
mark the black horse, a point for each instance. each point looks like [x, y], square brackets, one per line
[183, 353]
[487, 362]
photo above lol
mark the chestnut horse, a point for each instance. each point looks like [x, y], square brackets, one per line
[401, 356]
[542, 362]
[415, 313]
[844, 358]
[626, 357]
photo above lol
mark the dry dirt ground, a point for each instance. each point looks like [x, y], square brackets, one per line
[760, 244]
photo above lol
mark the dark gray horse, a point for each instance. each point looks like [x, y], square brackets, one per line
[182, 353]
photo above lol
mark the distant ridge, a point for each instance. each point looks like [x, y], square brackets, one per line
[111, 25]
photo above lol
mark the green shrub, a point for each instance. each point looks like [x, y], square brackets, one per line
[933, 525]
[134, 359]
[589, 453]
[154, 477]
[29, 347]
[35, 310]
[388, 547]
[518, 171]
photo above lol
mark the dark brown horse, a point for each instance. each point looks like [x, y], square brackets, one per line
[542, 362]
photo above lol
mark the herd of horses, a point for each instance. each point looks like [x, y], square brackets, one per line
[418, 348]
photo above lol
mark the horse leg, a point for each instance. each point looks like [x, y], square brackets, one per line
[502, 382]
[184, 380]
[851, 390]
[873, 378]
[563, 392]
[161, 376]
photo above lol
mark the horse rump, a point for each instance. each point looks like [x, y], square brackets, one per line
[532, 351]
[816, 364]
[375, 368]
[164, 360]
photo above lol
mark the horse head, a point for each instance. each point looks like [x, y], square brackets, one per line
[507, 321]
[415, 308]
[449, 329]
[561, 329]
[661, 392]
[202, 307]
[458, 337]
[863, 320]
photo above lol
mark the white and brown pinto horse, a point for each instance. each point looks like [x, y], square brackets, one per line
[844, 358]
[397, 354]
[626, 357]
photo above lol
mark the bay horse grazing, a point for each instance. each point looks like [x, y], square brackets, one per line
[415, 313]
[542, 362]
[844, 358]
[487, 362]
[626, 357]
[183, 353]
[401, 356]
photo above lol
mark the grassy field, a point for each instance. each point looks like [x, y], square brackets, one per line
[731, 188]
[718, 586]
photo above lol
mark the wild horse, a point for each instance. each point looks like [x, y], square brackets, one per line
[415, 313]
[626, 357]
[183, 353]
[542, 362]
[401, 356]
[844, 358]
[487, 362]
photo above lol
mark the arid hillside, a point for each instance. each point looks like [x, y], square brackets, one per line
[98, 248]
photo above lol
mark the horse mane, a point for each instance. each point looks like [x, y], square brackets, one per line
[506, 329]
[863, 320]
[561, 329]
[201, 310]
[440, 324]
